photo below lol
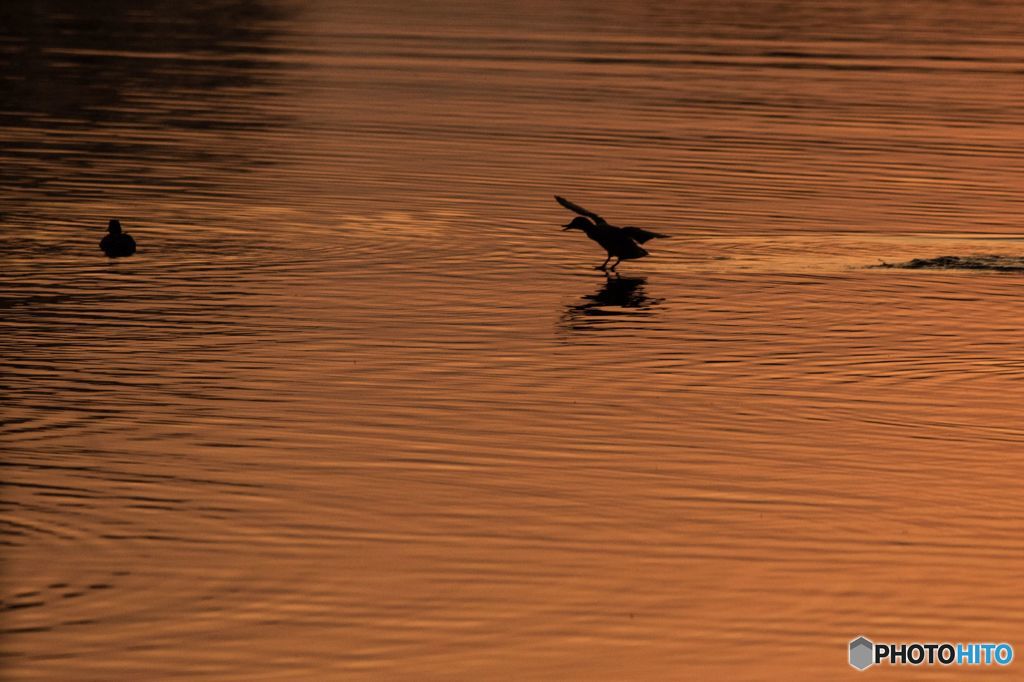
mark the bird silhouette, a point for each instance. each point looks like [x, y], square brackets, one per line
[621, 243]
[117, 243]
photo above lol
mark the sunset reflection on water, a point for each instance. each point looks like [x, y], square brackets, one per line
[358, 408]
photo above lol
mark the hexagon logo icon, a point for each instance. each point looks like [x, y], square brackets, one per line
[862, 653]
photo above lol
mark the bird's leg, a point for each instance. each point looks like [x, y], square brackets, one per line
[617, 261]
[603, 265]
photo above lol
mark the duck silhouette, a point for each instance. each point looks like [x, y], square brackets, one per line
[117, 243]
[621, 243]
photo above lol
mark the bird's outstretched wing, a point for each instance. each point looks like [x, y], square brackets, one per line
[579, 209]
[640, 235]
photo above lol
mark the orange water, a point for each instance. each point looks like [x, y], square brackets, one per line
[358, 409]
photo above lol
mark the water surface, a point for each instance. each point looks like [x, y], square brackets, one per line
[358, 409]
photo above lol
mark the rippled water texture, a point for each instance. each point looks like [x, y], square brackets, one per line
[358, 408]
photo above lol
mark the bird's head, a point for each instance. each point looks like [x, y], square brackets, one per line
[578, 223]
[114, 226]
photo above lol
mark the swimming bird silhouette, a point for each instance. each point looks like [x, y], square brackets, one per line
[622, 243]
[117, 243]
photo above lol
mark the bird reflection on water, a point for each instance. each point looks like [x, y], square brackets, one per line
[617, 299]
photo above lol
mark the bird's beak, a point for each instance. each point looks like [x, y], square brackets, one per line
[566, 228]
